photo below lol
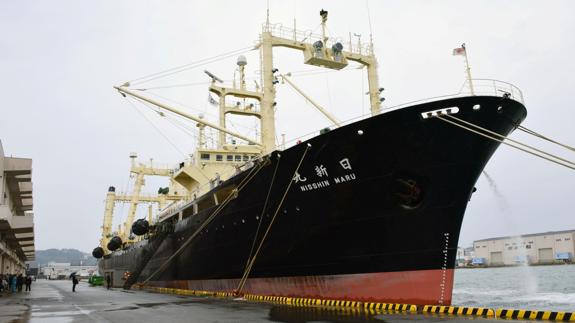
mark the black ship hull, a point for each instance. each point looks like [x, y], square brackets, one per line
[373, 214]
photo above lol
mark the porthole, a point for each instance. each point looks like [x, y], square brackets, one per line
[476, 107]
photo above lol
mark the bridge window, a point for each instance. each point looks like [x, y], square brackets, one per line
[230, 157]
[205, 156]
[238, 158]
[219, 158]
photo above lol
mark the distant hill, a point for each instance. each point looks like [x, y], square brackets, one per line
[73, 256]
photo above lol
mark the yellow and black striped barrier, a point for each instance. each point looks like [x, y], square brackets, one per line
[332, 303]
[184, 292]
[378, 307]
[459, 310]
[391, 307]
[535, 315]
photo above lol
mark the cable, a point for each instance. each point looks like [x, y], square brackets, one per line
[196, 109]
[531, 132]
[301, 73]
[155, 127]
[252, 261]
[370, 29]
[220, 207]
[503, 142]
[263, 210]
[506, 138]
[176, 85]
[191, 65]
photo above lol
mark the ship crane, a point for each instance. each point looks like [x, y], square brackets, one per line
[140, 170]
[123, 89]
[331, 117]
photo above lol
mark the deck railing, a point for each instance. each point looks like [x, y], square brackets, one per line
[481, 87]
[307, 36]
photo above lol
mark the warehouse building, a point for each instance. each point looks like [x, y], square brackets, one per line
[16, 217]
[533, 249]
[56, 270]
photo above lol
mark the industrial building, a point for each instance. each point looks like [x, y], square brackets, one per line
[532, 249]
[16, 216]
[464, 256]
[55, 270]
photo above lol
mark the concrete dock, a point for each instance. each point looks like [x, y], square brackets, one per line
[54, 301]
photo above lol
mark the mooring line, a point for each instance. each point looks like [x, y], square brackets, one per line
[242, 184]
[252, 261]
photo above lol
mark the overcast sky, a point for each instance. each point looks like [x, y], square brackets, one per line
[60, 59]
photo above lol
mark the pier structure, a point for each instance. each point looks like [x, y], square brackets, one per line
[16, 214]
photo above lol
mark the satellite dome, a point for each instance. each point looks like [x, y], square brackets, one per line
[242, 61]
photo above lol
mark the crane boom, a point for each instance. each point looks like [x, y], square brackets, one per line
[124, 90]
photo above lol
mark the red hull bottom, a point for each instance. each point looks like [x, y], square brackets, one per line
[420, 287]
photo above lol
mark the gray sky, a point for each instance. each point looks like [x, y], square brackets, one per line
[60, 59]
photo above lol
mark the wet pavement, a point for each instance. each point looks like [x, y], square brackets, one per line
[54, 301]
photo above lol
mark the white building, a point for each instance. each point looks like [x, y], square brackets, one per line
[538, 248]
[16, 216]
[464, 256]
[58, 270]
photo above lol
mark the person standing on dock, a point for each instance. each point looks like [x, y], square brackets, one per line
[28, 283]
[108, 281]
[19, 282]
[74, 283]
[12, 283]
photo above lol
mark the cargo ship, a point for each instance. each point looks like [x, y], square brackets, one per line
[365, 210]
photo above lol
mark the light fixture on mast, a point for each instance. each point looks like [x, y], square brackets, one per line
[336, 50]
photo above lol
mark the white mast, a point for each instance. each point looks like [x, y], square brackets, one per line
[468, 69]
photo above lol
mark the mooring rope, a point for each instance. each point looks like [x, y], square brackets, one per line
[263, 210]
[568, 165]
[220, 207]
[533, 133]
[511, 140]
[253, 260]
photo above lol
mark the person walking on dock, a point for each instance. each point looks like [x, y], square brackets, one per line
[28, 282]
[108, 281]
[74, 282]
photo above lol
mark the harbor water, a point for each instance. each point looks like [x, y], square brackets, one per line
[522, 287]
